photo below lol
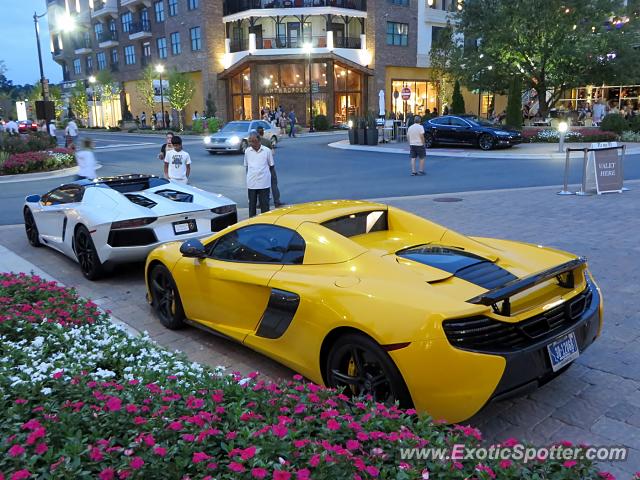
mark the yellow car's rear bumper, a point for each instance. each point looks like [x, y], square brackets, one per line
[453, 384]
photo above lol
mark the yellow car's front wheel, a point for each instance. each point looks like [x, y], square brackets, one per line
[165, 298]
[361, 367]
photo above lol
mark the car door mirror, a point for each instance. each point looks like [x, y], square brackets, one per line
[33, 198]
[193, 248]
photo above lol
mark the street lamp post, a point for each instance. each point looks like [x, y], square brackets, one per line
[92, 81]
[307, 49]
[45, 91]
[160, 69]
[562, 128]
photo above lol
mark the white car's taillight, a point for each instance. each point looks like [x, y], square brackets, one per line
[134, 222]
[224, 209]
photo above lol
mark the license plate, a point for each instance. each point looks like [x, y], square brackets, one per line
[185, 226]
[563, 351]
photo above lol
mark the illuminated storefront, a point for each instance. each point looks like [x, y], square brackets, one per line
[423, 96]
[626, 96]
[338, 89]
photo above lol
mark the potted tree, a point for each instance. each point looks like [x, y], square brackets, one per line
[372, 129]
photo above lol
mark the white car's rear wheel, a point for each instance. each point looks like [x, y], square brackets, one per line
[90, 264]
[31, 228]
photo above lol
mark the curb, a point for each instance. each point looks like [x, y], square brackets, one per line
[344, 145]
[33, 177]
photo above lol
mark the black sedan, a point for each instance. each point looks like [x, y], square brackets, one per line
[468, 130]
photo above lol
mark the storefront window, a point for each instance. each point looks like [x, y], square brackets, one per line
[241, 83]
[292, 75]
[348, 93]
[241, 95]
[268, 75]
[423, 96]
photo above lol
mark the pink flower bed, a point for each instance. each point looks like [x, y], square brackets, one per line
[38, 161]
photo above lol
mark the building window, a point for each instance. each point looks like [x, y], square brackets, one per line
[423, 97]
[404, 3]
[77, 68]
[436, 35]
[173, 8]
[114, 56]
[192, 4]
[161, 43]
[397, 33]
[176, 49]
[347, 90]
[241, 95]
[146, 53]
[102, 60]
[159, 9]
[144, 19]
[98, 29]
[129, 55]
[126, 19]
[89, 63]
[196, 40]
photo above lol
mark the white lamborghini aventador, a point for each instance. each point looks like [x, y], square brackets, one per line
[122, 218]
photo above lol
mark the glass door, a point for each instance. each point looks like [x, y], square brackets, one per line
[293, 34]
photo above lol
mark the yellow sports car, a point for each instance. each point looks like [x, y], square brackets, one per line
[382, 302]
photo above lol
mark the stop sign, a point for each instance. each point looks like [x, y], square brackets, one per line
[406, 93]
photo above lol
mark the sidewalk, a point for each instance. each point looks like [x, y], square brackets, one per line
[525, 151]
[597, 401]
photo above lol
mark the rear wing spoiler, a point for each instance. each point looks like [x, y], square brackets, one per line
[503, 294]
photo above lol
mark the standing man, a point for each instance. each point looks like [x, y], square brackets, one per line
[71, 133]
[52, 130]
[258, 161]
[166, 146]
[415, 135]
[177, 162]
[143, 119]
[292, 123]
[167, 121]
[275, 191]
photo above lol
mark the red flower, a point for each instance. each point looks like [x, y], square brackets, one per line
[41, 448]
[31, 424]
[569, 463]
[280, 475]
[58, 374]
[200, 457]
[505, 463]
[248, 453]
[304, 474]
[333, 425]
[35, 435]
[107, 474]
[279, 431]
[259, 472]
[160, 451]
[16, 451]
[95, 454]
[236, 467]
[136, 463]
[21, 475]
[113, 404]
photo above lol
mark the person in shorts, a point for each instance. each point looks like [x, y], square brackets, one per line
[415, 136]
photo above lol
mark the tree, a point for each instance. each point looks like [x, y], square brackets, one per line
[212, 109]
[109, 91]
[514, 104]
[145, 88]
[551, 44]
[443, 51]
[457, 101]
[55, 95]
[181, 89]
[79, 102]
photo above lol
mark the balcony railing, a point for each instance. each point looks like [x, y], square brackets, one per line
[240, 45]
[82, 43]
[108, 37]
[139, 27]
[347, 42]
[236, 6]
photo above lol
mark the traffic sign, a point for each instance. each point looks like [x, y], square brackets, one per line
[406, 93]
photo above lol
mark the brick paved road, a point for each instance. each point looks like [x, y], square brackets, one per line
[596, 401]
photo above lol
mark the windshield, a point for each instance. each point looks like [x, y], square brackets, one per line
[236, 127]
[479, 122]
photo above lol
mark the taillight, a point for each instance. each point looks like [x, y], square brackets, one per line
[135, 222]
[224, 209]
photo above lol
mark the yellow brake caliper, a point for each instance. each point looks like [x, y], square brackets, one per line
[352, 371]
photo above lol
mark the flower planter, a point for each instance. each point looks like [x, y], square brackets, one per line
[353, 136]
[372, 136]
[362, 136]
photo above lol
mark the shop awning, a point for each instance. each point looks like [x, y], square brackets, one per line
[253, 59]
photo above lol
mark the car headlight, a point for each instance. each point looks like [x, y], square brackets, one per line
[207, 140]
[235, 140]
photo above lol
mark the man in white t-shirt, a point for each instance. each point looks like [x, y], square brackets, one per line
[71, 133]
[258, 160]
[415, 135]
[177, 162]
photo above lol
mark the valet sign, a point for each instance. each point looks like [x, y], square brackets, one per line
[604, 168]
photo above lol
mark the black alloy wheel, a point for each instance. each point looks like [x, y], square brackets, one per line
[360, 366]
[165, 298]
[428, 140]
[486, 142]
[31, 228]
[87, 255]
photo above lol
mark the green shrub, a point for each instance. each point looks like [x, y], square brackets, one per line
[457, 103]
[614, 122]
[198, 126]
[514, 104]
[33, 142]
[213, 124]
[321, 122]
[630, 136]
[634, 124]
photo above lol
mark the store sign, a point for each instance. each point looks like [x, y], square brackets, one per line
[406, 93]
[315, 86]
[282, 90]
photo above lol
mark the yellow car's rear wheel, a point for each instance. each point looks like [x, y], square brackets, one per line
[165, 298]
[360, 366]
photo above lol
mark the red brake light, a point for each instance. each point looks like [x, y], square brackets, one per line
[134, 222]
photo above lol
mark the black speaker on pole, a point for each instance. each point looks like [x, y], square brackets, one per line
[45, 110]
